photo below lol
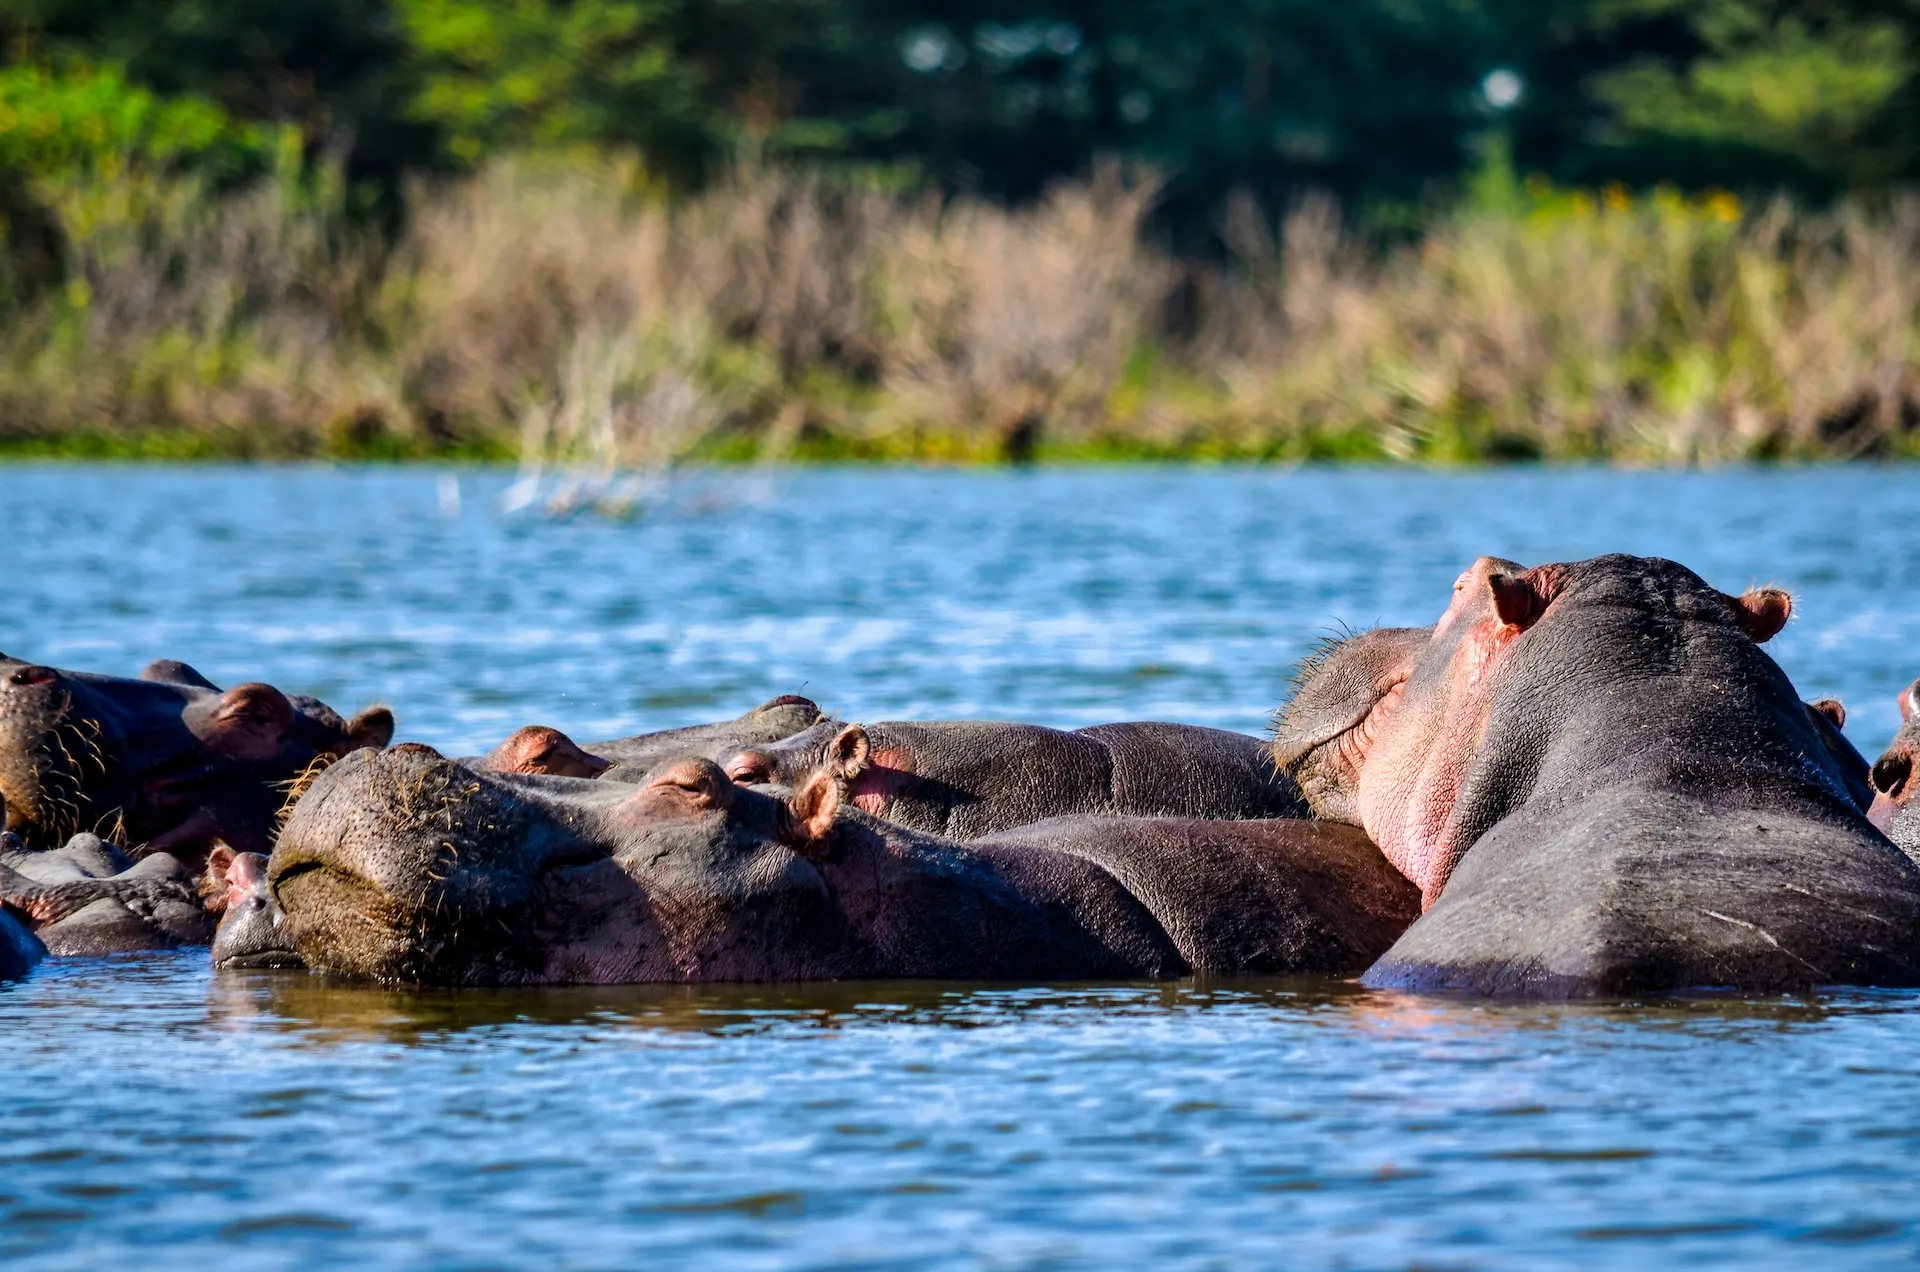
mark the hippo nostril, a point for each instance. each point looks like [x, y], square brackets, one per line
[1891, 774]
[32, 676]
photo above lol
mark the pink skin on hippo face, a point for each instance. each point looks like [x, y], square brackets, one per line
[1894, 809]
[1426, 746]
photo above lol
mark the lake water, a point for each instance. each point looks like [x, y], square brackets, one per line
[157, 1114]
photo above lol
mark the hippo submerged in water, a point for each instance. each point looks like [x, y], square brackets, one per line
[253, 927]
[167, 762]
[540, 749]
[402, 865]
[1894, 778]
[1603, 785]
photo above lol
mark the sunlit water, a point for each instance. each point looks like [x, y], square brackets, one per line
[156, 1114]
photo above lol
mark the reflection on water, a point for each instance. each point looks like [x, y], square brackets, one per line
[159, 1115]
[158, 1105]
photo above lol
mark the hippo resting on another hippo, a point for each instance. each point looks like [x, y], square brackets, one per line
[1603, 785]
[539, 749]
[966, 779]
[90, 898]
[402, 865]
[1894, 808]
[166, 762]
[958, 778]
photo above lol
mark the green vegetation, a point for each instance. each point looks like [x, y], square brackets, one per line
[627, 233]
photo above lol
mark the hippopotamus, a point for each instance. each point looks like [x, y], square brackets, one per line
[966, 779]
[167, 762]
[402, 865]
[539, 748]
[781, 717]
[1603, 785]
[252, 931]
[1894, 810]
[20, 949]
[88, 897]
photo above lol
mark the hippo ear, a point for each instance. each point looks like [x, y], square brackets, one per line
[168, 671]
[850, 753]
[1833, 709]
[371, 728]
[249, 722]
[1515, 600]
[1762, 612]
[814, 807]
[1910, 702]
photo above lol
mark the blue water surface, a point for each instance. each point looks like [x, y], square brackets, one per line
[158, 1114]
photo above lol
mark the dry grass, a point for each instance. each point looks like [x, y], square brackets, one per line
[559, 310]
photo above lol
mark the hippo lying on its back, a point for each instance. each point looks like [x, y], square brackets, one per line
[972, 778]
[405, 866]
[167, 762]
[1894, 808]
[539, 749]
[1603, 785]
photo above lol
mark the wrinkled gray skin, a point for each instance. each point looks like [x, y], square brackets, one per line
[1606, 787]
[252, 930]
[1895, 810]
[91, 898]
[966, 779]
[404, 866]
[166, 763]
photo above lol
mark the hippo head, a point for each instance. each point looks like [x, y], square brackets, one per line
[828, 748]
[1894, 780]
[403, 865]
[167, 761]
[1426, 744]
[253, 928]
[1341, 694]
[537, 748]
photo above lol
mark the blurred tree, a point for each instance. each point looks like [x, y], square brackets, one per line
[1383, 102]
[339, 70]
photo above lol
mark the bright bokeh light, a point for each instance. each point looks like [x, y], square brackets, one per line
[1502, 88]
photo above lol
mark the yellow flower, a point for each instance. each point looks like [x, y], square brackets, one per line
[1723, 205]
[1618, 198]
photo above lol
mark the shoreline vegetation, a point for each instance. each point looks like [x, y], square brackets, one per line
[561, 311]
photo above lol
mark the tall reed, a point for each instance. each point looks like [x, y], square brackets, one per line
[561, 310]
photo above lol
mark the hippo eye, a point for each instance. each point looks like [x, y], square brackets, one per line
[749, 774]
